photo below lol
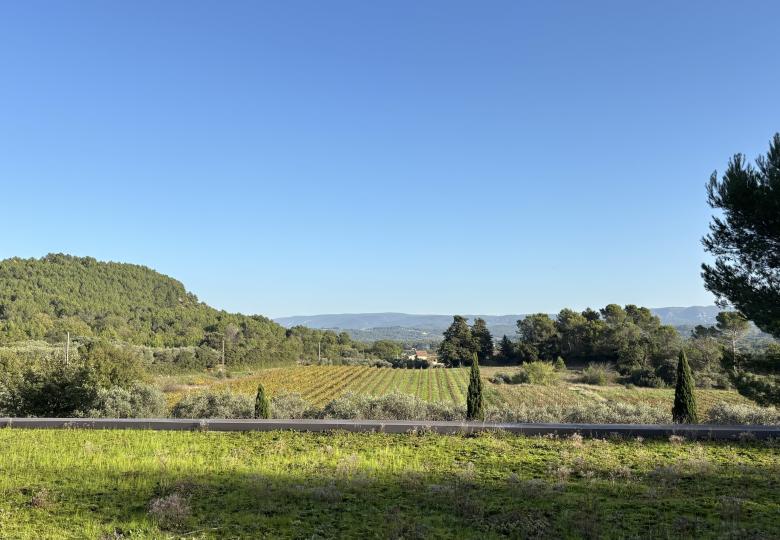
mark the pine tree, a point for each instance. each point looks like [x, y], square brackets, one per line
[458, 345]
[744, 239]
[684, 411]
[262, 408]
[475, 407]
[483, 339]
[506, 349]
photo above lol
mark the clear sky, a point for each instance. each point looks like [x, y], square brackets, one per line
[301, 157]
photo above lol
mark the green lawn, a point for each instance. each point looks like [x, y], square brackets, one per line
[99, 484]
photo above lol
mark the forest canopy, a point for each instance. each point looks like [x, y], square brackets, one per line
[43, 299]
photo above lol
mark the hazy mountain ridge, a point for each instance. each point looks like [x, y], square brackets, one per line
[407, 327]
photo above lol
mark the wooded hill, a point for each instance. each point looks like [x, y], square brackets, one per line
[42, 299]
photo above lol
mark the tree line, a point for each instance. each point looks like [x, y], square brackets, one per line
[631, 338]
[46, 299]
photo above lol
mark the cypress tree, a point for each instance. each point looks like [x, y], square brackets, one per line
[475, 407]
[684, 411]
[262, 408]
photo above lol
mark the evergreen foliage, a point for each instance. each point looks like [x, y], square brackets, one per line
[262, 407]
[43, 299]
[483, 340]
[458, 346]
[539, 336]
[684, 410]
[475, 406]
[746, 239]
[506, 350]
[631, 337]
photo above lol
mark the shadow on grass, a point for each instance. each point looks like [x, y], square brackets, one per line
[571, 501]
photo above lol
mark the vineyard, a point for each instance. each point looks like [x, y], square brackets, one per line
[320, 384]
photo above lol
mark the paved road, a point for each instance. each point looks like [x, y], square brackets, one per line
[401, 426]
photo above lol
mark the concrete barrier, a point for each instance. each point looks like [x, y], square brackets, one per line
[700, 431]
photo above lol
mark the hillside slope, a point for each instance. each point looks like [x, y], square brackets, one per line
[41, 299]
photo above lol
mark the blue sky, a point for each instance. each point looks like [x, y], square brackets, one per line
[432, 157]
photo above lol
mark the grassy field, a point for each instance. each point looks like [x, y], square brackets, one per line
[320, 384]
[142, 484]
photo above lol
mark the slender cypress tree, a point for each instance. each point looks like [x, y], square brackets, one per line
[475, 407]
[684, 411]
[262, 408]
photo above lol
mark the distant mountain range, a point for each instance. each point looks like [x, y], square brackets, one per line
[428, 328]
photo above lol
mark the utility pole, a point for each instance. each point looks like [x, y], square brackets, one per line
[223, 354]
[67, 348]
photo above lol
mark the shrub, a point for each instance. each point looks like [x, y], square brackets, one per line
[711, 379]
[112, 365]
[510, 378]
[416, 363]
[170, 512]
[645, 377]
[559, 364]
[608, 412]
[763, 389]
[387, 407]
[214, 405]
[49, 389]
[437, 410]
[666, 370]
[498, 378]
[616, 412]
[138, 401]
[595, 374]
[726, 413]
[540, 373]
[390, 407]
[529, 373]
[290, 405]
[408, 407]
[370, 362]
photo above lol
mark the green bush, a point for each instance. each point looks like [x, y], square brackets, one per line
[540, 373]
[370, 362]
[42, 383]
[390, 407]
[529, 373]
[291, 405]
[51, 389]
[138, 401]
[113, 365]
[732, 414]
[763, 389]
[595, 374]
[609, 412]
[645, 377]
[560, 364]
[214, 405]
[519, 377]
